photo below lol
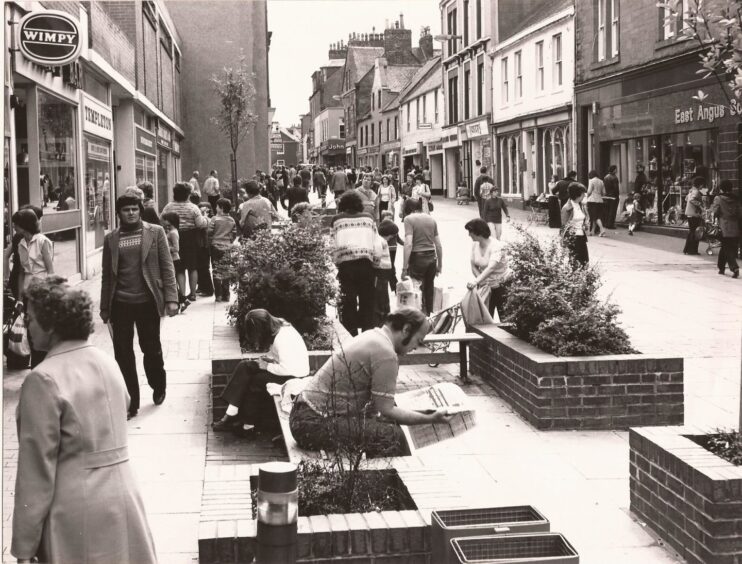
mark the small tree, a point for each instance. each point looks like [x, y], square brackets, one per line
[235, 88]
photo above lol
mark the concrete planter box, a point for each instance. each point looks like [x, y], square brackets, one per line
[689, 496]
[227, 532]
[591, 392]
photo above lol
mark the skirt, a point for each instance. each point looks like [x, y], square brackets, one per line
[189, 243]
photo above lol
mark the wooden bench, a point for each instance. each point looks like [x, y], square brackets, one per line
[447, 357]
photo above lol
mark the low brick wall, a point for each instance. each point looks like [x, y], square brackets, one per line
[686, 494]
[227, 533]
[596, 392]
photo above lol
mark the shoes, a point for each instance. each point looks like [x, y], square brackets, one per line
[131, 414]
[736, 274]
[631, 233]
[226, 423]
[204, 294]
[184, 305]
[602, 234]
[158, 397]
[241, 431]
[191, 297]
[721, 272]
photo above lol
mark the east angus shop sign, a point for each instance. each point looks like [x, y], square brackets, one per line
[49, 38]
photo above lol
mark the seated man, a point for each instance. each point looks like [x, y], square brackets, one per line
[288, 358]
[350, 400]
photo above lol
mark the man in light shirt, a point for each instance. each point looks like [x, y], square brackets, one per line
[211, 189]
[194, 183]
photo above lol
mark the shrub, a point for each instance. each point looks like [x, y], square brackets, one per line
[289, 273]
[552, 301]
[726, 444]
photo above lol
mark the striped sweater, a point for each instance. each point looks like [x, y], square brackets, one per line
[353, 236]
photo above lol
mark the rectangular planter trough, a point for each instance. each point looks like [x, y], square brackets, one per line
[457, 523]
[591, 392]
[686, 494]
[524, 548]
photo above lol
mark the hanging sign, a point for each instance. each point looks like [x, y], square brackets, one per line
[49, 37]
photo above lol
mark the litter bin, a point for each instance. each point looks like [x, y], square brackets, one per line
[484, 521]
[523, 548]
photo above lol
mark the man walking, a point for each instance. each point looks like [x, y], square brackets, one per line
[610, 200]
[561, 190]
[137, 289]
[339, 182]
[320, 184]
[195, 186]
[211, 189]
[297, 193]
[481, 198]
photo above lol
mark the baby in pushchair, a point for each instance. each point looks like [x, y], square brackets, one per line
[462, 195]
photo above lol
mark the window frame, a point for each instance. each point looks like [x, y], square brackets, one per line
[518, 75]
[558, 61]
[408, 116]
[615, 28]
[505, 94]
[465, 19]
[467, 93]
[435, 104]
[540, 66]
[480, 88]
[602, 32]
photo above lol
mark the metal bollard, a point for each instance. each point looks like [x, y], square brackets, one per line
[278, 511]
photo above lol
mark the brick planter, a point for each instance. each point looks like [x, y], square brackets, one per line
[595, 392]
[227, 532]
[686, 494]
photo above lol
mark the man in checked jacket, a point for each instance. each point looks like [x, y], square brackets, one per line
[138, 288]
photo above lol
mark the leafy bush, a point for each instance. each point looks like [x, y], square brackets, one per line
[552, 301]
[289, 273]
[726, 444]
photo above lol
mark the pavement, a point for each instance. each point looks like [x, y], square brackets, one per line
[672, 304]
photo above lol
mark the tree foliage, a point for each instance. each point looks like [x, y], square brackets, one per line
[235, 89]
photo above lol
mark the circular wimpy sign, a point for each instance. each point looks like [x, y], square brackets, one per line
[50, 37]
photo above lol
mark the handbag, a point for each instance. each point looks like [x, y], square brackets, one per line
[699, 232]
[431, 207]
[18, 337]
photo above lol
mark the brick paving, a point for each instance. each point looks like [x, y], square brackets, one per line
[672, 304]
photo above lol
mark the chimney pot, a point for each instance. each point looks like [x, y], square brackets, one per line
[396, 24]
[401, 21]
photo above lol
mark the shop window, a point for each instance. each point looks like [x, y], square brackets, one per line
[163, 179]
[144, 166]
[97, 191]
[684, 157]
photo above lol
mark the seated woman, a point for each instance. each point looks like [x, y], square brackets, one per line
[287, 358]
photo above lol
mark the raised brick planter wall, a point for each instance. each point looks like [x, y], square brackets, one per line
[686, 494]
[227, 532]
[596, 392]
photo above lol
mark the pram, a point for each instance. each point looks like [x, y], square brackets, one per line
[12, 308]
[463, 196]
[711, 232]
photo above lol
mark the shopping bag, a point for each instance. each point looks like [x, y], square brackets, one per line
[409, 293]
[699, 232]
[473, 309]
[18, 338]
[382, 258]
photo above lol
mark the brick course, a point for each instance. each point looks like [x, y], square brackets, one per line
[686, 494]
[109, 40]
[608, 392]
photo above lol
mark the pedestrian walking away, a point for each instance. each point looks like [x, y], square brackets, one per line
[561, 190]
[423, 252]
[222, 232]
[575, 224]
[76, 499]
[137, 289]
[195, 184]
[250, 406]
[694, 213]
[610, 200]
[595, 194]
[728, 209]
[492, 211]
[211, 188]
[351, 398]
[482, 178]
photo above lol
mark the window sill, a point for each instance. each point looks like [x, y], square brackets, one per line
[669, 42]
[605, 63]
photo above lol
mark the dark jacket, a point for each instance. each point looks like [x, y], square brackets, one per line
[294, 195]
[729, 211]
[481, 179]
[561, 190]
[492, 209]
[611, 186]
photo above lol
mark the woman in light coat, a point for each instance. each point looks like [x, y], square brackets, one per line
[595, 195]
[75, 496]
[421, 191]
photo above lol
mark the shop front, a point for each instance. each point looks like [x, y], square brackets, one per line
[476, 148]
[661, 144]
[332, 152]
[412, 156]
[97, 126]
[177, 172]
[164, 178]
[435, 152]
[390, 155]
[350, 155]
[145, 156]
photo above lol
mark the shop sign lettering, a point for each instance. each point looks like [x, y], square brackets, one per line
[477, 129]
[704, 113]
[49, 37]
[96, 118]
[145, 141]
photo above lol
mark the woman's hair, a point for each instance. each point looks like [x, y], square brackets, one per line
[405, 316]
[172, 218]
[478, 227]
[147, 189]
[592, 174]
[699, 181]
[66, 311]
[575, 189]
[36, 209]
[26, 220]
[299, 209]
[412, 206]
[419, 177]
[387, 214]
[350, 202]
[194, 198]
[150, 216]
[296, 181]
[261, 328]
[225, 204]
[386, 177]
[181, 191]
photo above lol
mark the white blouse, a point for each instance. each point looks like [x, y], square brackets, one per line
[578, 219]
[31, 254]
[290, 353]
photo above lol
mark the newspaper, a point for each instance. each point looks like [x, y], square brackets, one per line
[446, 395]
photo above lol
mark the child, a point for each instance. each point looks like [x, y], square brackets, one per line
[222, 231]
[637, 213]
[205, 283]
[170, 222]
[389, 230]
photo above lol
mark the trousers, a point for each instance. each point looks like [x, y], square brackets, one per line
[246, 390]
[357, 288]
[728, 254]
[423, 267]
[146, 318]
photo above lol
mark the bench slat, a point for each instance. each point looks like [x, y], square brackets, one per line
[464, 337]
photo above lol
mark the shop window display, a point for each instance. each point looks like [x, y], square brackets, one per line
[98, 191]
[57, 154]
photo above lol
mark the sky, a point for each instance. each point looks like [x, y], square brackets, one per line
[304, 29]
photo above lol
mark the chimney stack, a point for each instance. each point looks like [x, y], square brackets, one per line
[401, 21]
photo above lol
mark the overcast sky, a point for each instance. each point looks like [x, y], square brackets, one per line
[304, 29]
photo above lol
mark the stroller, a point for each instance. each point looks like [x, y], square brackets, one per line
[711, 233]
[12, 308]
[463, 196]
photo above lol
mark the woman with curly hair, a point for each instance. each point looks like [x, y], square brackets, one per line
[75, 496]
